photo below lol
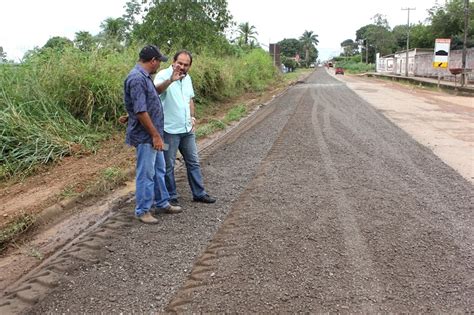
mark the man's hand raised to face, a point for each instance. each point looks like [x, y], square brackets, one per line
[178, 73]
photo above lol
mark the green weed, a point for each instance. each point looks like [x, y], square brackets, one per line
[14, 229]
[235, 113]
[212, 126]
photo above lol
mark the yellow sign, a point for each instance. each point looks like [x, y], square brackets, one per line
[440, 64]
[441, 53]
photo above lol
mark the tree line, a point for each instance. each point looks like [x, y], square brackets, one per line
[443, 21]
[195, 25]
[305, 47]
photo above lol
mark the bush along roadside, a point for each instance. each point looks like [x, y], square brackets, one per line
[353, 64]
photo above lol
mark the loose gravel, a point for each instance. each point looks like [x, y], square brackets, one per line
[323, 205]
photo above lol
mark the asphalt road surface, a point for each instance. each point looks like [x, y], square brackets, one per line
[323, 205]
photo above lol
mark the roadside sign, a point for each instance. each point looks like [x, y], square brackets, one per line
[441, 53]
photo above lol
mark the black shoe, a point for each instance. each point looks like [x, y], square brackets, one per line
[205, 199]
[174, 202]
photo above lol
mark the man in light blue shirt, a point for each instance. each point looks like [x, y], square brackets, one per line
[176, 92]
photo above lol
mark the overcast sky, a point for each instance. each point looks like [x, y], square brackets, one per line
[25, 24]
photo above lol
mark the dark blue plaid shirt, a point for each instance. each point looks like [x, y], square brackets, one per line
[140, 95]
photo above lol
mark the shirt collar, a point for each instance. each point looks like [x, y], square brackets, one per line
[140, 69]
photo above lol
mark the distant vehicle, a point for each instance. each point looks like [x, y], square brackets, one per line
[311, 65]
[339, 70]
[330, 64]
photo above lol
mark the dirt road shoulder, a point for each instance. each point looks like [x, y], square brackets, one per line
[441, 122]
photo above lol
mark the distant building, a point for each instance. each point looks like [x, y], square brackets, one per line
[274, 50]
[420, 63]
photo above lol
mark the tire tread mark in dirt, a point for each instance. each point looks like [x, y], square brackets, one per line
[46, 276]
[217, 248]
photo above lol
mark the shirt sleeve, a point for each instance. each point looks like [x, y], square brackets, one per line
[191, 89]
[160, 77]
[138, 95]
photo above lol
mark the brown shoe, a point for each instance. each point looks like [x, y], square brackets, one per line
[170, 209]
[148, 218]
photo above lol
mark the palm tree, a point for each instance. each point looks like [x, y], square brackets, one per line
[308, 39]
[84, 40]
[114, 29]
[246, 33]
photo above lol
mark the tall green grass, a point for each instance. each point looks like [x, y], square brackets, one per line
[58, 103]
[89, 85]
[353, 64]
[216, 79]
[38, 132]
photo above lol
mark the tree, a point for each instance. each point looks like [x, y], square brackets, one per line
[114, 30]
[246, 33]
[376, 37]
[84, 41]
[290, 47]
[309, 40]
[187, 24]
[400, 33]
[58, 43]
[133, 10]
[289, 63]
[3, 55]
[349, 47]
[448, 22]
[421, 36]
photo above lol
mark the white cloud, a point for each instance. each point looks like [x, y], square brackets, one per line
[29, 23]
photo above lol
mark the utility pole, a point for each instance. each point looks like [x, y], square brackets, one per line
[408, 38]
[366, 51]
[464, 46]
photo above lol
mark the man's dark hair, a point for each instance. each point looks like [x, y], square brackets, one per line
[183, 52]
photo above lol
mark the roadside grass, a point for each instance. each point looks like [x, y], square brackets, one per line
[62, 103]
[291, 76]
[32, 252]
[213, 125]
[10, 232]
[209, 128]
[235, 113]
[107, 180]
[68, 191]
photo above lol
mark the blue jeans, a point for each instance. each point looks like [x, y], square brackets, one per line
[186, 143]
[150, 179]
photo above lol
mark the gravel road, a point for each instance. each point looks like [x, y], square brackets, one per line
[323, 205]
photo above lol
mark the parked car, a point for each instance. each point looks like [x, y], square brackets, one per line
[339, 70]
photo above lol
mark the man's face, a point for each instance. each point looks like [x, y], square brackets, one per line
[155, 65]
[183, 63]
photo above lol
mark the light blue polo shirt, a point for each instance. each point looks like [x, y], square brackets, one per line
[175, 101]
